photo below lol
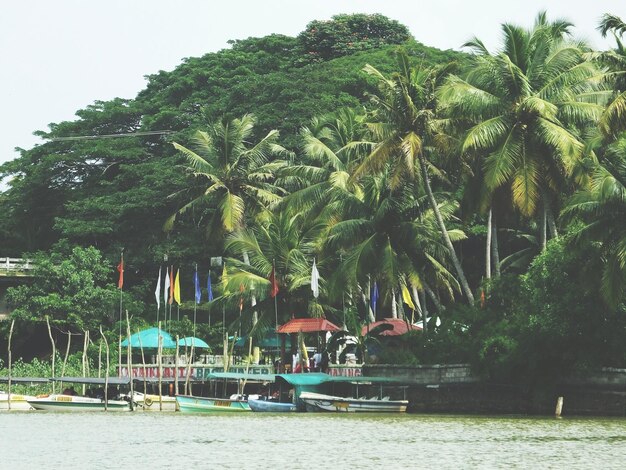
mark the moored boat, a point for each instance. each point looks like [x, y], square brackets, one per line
[150, 402]
[271, 406]
[18, 401]
[321, 402]
[57, 402]
[192, 404]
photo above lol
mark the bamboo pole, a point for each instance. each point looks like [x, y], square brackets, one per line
[67, 353]
[176, 368]
[143, 363]
[106, 371]
[129, 361]
[54, 351]
[160, 366]
[559, 407]
[10, 364]
[188, 378]
[84, 358]
[99, 358]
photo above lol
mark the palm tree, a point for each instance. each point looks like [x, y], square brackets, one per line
[613, 120]
[240, 175]
[408, 133]
[602, 208]
[523, 105]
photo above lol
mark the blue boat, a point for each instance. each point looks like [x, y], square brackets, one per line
[271, 406]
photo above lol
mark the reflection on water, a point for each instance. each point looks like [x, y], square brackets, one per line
[307, 440]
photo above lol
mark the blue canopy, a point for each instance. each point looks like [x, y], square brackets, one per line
[150, 339]
[192, 341]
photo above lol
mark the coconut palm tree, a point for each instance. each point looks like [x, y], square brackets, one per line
[408, 134]
[602, 208]
[239, 176]
[524, 105]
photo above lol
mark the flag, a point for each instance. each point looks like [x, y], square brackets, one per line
[406, 297]
[166, 289]
[315, 280]
[177, 287]
[209, 289]
[482, 298]
[120, 268]
[157, 291]
[241, 298]
[273, 283]
[224, 280]
[374, 297]
[171, 299]
[196, 284]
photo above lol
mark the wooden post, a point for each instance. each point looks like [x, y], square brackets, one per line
[67, 353]
[99, 358]
[143, 363]
[129, 361]
[176, 368]
[559, 407]
[84, 358]
[9, 354]
[187, 385]
[106, 371]
[160, 366]
[54, 351]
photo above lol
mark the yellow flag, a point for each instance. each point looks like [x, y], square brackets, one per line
[224, 280]
[177, 287]
[406, 297]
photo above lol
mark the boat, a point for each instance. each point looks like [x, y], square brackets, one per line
[321, 402]
[270, 406]
[18, 401]
[193, 404]
[57, 402]
[150, 402]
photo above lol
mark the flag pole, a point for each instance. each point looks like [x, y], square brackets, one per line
[195, 303]
[120, 285]
[275, 300]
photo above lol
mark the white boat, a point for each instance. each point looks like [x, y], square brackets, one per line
[150, 402]
[57, 402]
[320, 402]
[18, 401]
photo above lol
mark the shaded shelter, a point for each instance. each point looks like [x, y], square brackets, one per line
[149, 339]
[190, 341]
[390, 327]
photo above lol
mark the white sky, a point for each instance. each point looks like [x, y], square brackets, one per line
[59, 56]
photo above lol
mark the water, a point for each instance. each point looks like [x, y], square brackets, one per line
[306, 440]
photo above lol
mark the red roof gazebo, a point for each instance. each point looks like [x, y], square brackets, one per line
[307, 325]
[398, 327]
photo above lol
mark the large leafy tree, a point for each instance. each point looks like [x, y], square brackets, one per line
[524, 105]
[409, 135]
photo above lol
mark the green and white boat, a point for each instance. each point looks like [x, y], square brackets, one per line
[191, 404]
[18, 401]
[56, 402]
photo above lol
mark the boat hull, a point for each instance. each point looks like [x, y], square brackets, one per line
[191, 404]
[320, 402]
[271, 406]
[18, 401]
[150, 402]
[76, 403]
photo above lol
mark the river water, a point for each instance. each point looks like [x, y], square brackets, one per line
[306, 440]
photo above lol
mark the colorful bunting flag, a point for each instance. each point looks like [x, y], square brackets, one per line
[177, 287]
[273, 283]
[157, 291]
[209, 287]
[374, 297]
[315, 280]
[120, 268]
[166, 290]
[406, 297]
[196, 284]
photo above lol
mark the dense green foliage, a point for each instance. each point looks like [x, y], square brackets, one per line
[489, 188]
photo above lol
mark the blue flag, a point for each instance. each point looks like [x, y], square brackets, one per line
[208, 287]
[196, 283]
[374, 297]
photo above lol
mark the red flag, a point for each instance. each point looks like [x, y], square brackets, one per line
[482, 298]
[120, 268]
[241, 298]
[273, 283]
[171, 300]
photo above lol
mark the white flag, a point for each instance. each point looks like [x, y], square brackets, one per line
[166, 292]
[157, 292]
[315, 280]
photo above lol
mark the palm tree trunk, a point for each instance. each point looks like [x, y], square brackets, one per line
[444, 233]
[422, 294]
[542, 228]
[551, 223]
[488, 247]
[495, 253]
[433, 297]
[394, 309]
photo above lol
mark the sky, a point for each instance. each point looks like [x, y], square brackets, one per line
[60, 56]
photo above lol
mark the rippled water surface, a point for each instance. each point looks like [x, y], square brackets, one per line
[306, 440]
